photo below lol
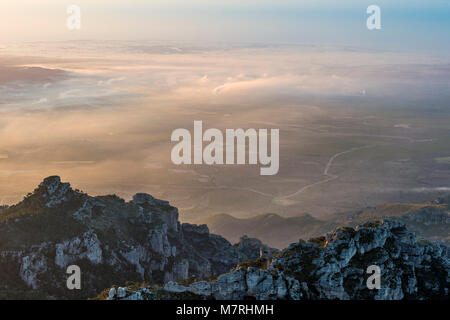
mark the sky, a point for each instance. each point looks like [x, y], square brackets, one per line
[406, 25]
[99, 112]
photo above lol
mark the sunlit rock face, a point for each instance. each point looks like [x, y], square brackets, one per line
[330, 267]
[111, 240]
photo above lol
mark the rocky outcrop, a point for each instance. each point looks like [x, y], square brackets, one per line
[251, 249]
[330, 267]
[112, 241]
[142, 242]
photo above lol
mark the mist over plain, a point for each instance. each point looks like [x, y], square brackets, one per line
[101, 118]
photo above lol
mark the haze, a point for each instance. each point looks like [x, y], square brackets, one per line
[363, 115]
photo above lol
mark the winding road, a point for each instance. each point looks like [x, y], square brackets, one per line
[327, 176]
[325, 172]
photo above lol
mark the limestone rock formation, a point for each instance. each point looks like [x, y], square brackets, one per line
[330, 267]
[111, 240]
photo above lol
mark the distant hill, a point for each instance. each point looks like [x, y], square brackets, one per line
[275, 230]
[429, 220]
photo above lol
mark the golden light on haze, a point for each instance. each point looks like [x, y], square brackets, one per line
[101, 115]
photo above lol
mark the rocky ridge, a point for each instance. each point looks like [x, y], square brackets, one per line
[112, 241]
[329, 267]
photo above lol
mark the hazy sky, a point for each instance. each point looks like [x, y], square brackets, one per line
[100, 113]
[409, 25]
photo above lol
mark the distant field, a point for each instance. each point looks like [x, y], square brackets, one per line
[357, 128]
[443, 160]
[380, 163]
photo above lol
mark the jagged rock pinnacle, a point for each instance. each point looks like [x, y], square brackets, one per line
[53, 190]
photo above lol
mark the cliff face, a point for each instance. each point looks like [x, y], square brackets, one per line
[331, 267]
[111, 240]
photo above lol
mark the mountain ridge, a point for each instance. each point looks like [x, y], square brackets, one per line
[277, 231]
[430, 220]
[115, 242]
[111, 240]
[331, 267]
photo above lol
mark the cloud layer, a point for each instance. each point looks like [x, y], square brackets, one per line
[102, 116]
